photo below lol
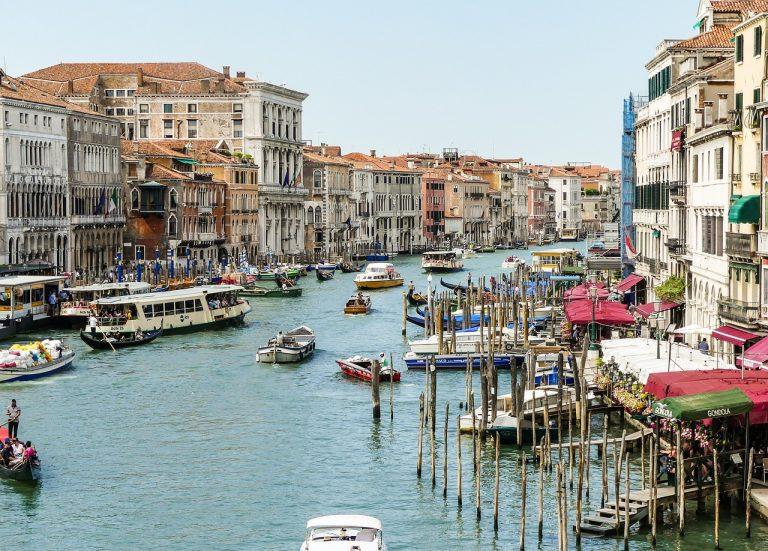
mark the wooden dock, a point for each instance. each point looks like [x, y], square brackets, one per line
[603, 521]
[630, 441]
[758, 500]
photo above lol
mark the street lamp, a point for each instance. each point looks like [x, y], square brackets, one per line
[593, 298]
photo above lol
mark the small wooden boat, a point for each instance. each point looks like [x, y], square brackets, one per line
[360, 368]
[262, 292]
[12, 373]
[416, 299]
[323, 275]
[294, 346]
[281, 280]
[28, 471]
[505, 427]
[99, 341]
[348, 268]
[358, 304]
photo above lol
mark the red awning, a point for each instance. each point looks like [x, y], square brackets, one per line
[733, 335]
[579, 312]
[649, 308]
[756, 355]
[628, 282]
[582, 291]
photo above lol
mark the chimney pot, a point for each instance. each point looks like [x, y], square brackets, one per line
[373, 152]
[140, 77]
[241, 74]
[225, 70]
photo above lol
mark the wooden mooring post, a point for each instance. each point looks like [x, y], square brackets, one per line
[420, 445]
[523, 490]
[458, 461]
[445, 453]
[748, 492]
[375, 375]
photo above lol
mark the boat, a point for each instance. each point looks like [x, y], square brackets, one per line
[416, 299]
[441, 261]
[291, 347]
[358, 304]
[505, 427]
[254, 291]
[323, 275]
[269, 275]
[464, 253]
[348, 268]
[344, 533]
[487, 249]
[28, 471]
[378, 275]
[111, 341]
[519, 245]
[512, 262]
[34, 360]
[569, 234]
[459, 361]
[76, 308]
[326, 266]
[360, 368]
[377, 257]
[283, 281]
[458, 287]
[180, 311]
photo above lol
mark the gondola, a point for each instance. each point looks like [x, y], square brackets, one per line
[104, 344]
[348, 268]
[283, 280]
[323, 275]
[29, 471]
[416, 299]
[458, 287]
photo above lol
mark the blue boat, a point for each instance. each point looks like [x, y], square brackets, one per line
[458, 318]
[459, 361]
[548, 376]
[378, 257]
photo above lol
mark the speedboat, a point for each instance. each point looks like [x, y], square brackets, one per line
[512, 262]
[378, 275]
[294, 346]
[360, 368]
[344, 533]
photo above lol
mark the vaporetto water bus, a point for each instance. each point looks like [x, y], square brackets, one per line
[183, 310]
[77, 308]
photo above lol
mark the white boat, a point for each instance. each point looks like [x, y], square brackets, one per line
[78, 307]
[441, 261]
[179, 311]
[469, 342]
[294, 346]
[464, 253]
[24, 368]
[344, 533]
[378, 275]
[512, 262]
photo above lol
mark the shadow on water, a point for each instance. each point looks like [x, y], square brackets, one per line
[28, 494]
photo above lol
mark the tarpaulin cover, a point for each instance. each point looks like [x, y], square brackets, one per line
[628, 282]
[649, 308]
[756, 355]
[579, 312]
[733, 335]
[704, 405]
[582, 291]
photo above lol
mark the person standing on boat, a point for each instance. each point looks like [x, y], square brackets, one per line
[13, 412]
[52, 300]
[92, 323]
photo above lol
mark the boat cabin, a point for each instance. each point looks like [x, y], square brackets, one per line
[85, 294]
[360, 531]
[27, 295]
[554, 260]
[380, 270]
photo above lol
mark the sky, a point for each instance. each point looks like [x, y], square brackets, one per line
[541, 79]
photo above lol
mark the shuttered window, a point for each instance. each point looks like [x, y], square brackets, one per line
[719, 163]
[739, 48]
[758, 41]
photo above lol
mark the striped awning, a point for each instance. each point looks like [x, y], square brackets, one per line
[733, 335]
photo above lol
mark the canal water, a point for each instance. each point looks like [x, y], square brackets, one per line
[190, 443]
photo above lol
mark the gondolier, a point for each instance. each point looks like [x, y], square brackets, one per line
[14, 413]
[93, 323]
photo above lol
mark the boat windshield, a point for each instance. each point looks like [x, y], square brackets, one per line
[344, 534]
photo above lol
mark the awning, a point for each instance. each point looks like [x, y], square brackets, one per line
[649, 308]
[693, 329]
[185, 161]
[582, 291]
[706, 405]
[745, 210]
[580, 312]
[152, 184]
[756, 355]
[733, 335]
[628, 282]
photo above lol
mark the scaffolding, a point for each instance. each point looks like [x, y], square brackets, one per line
[628, 179]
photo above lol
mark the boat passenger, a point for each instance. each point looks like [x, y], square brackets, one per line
[280, 338]
[30, 453]
[6, 454]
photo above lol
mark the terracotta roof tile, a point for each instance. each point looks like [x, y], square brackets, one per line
[740, 6]
[363, 161]
[718, 37]
[13, 88]
[160, 172]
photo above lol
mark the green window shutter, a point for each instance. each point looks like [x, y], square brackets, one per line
[739, 101]
[739, 48]
[758, 41]
[756, 95]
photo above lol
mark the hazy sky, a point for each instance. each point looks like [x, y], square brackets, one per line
[539, 78]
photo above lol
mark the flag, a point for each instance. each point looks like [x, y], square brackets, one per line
[631, 251]
[101, 204]
[285, 180]
[112, 203]
[349, 222]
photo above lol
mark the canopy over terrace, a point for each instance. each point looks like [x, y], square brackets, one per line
[628, 282]
[756, 355]
[646, 310]
[580, 292]
[643, 357]
[705, 405]
[584, 311]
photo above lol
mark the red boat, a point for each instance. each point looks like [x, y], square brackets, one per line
[360, 368]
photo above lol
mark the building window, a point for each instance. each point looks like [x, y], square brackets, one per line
[758, 41]
[167, 108]
[120, 111]
[173, 198]
[135, 199]
[191, 108]
[144, 128]
[119, 93]
[143, 108]
[739, 48]
[172, 226]
[695, 169]
[317, 179]
[109, 111]
[756, 95]
[237, 107]
[109, 93]
[192, 128]
[237, 128]
[167, 128]
[719, 163]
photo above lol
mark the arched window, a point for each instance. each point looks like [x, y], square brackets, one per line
[311, 215]
[173, 198]
[172, 226]
[318, 216]
[317, 179]
[135, 199]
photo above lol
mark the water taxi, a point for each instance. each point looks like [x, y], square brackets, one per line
[441, 261]
[378, 275]
[77, 308]
[354, 532]
[183, 310]
[358, 304]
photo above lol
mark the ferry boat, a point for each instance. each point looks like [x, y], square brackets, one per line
[378, 275]
[183, 310]
[569, 234]
[441, 261]
[23, 302]
[554, 260]
[343, 532]
[77, 309]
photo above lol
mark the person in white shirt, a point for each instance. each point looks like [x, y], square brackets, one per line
[92, 323]
[13, 412]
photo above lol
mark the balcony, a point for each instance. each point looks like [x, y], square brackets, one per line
[762, 242]
[740, 244]
[204, 210]
[754, 177]
[678, 192]
[736, 177]
[738, 310]
[675, 247]
[735, 120]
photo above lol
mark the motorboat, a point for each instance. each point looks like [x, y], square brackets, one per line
[378, 275]
[459, 361]
[24, 362]
[464, 253]
[505, 426]
[291, 347]
[512, 262]
[358, 304]
[344, 533]
[360, 367]
[441, 261]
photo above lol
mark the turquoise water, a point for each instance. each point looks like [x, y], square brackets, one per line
[190, 443]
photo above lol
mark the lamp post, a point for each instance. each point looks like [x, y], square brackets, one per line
[593, 298]
[429, 304]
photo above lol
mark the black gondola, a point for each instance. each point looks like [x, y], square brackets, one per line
[283, 280]
[348, 268]
[416, 299]
[104, 344]
[324, 275]
[29, 471]
[458, 287]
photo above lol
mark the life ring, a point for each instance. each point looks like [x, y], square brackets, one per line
[508, 347]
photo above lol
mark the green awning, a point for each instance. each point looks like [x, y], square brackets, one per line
[186, 161]
[705, 405]
[745, 210]
[573, 269]
[656, 233]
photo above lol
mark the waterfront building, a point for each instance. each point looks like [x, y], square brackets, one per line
[466, 197]
[567, 185]
[594, 212]
[538, 208]
[433, 184]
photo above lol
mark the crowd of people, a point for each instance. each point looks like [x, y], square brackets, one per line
[13, 452]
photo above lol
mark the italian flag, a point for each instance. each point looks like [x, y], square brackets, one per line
[112, 203]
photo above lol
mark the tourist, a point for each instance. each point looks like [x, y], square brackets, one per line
[280, 338]
[18, 450]
[6, 454]
[52, 301]
[704, 346]
[30, 453]
[14, 413]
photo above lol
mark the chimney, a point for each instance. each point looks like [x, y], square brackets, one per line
[241, 74]
[220, 84]
[205, 86]
[322, 149]
[139, 77]
[70, 87]
[373, 152]
[225, 70]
